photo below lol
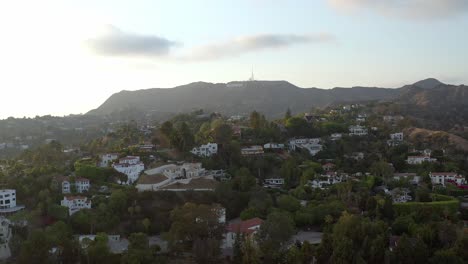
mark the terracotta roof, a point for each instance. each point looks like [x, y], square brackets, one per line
[245, 227]
[329, 164]
[75, 197]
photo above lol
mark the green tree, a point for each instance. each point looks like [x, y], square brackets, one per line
[274, 234]
[288, 203]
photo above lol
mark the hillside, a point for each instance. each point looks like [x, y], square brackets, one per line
[270, 97]
[419, 134]
[441, 107]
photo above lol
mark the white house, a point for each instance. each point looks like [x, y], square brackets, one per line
[7, 199]
[273, 182]
[247, 228]
[336, 136]
[416, 160]
[443, 177]
[130, 166]
[325, 180]
[310, 144]
[395, 139]
[65, 183]
[389, 118]
[107, 159]
[75, 203]
[5, 236]
[187, 170]
[273, 146]
[401, 195]
[358, 130]
[205, 150]
[397, 136]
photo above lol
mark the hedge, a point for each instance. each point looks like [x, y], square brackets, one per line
[439, 204]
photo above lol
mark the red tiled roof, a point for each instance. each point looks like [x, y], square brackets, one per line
[329, 164]
[246, 226]
[74, 197]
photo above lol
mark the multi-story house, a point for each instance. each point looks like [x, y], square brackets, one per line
[443, 177]
[416, 160]
[107, 159]
[130, 166]
[75, 203]
[66, 184]
[358, 131]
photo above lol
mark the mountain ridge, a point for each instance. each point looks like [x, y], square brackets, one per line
[241, 97]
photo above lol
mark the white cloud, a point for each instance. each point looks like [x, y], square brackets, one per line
[115, 42]
[408, 9]
[239, 46]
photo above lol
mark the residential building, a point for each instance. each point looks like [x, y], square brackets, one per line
[7, 199]
[443, 177]
[107, 159]
[336, 136]
[358, 130]
[310, 144]
[115, 243]
[355, 156]
[273, 146]
[392, 119]
[247, 228]
[416, 160]
[328, 166]
[147, 147]
[273, 183]
[325, 180]
[401, 195]
[252, 150]
[413, 177]
[130, 166]
[5, 236]
[395, 139]
[66, 184]
[75, 203]
[207, 150]
[170, 177]
[397, 136]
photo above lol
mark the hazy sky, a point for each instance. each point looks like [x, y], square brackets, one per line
[61, 57]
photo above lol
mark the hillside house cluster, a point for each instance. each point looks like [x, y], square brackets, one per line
[130, 166]
[206, 150]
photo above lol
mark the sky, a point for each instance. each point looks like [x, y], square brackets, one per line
[63, 57]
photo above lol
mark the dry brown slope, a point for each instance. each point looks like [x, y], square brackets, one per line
[413, 133]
